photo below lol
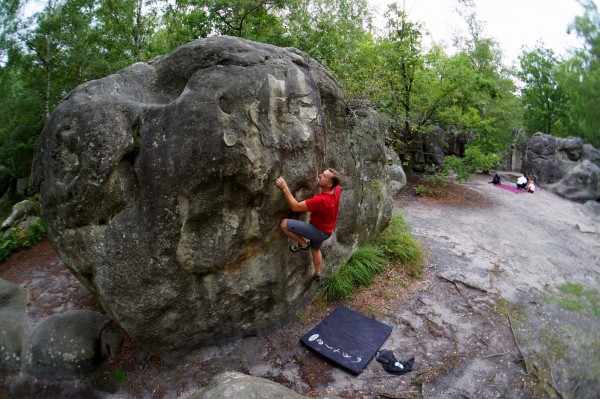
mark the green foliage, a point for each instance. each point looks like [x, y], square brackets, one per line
[437, 177]
[478, 160]
[15, 239]
[474, 160]
[543, 99]
[416, 87]
[8, 244]
[21, 120]
[394, 245]
[579, 76]
[459, 166]
[35, 233]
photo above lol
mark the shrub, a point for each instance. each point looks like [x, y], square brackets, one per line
[474, 160]
[8, 244]
[458, 166]
[478, 160]
[420, 189]
[35, 233]
[437, 177]
[436, 182]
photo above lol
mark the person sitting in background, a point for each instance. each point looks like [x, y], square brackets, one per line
[522, 182]
[530, 186]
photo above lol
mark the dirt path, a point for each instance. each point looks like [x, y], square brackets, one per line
[507, 309]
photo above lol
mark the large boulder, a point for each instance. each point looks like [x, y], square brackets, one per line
[66, 345]
[565, 166]
[12, 324]
[541, 160]
[157, 187]
[234, 385]
[580, 184]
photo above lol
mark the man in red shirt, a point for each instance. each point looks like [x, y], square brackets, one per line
[323, 209]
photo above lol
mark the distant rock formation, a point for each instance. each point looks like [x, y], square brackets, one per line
[157, 187]
[565, 166]
[396, 172]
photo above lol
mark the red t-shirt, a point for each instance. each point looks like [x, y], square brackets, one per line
[323, 210]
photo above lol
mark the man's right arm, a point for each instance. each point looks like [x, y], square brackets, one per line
[295, 206]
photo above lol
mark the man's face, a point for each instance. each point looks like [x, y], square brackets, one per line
[324, 179]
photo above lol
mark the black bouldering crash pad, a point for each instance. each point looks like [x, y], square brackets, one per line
[347, 339]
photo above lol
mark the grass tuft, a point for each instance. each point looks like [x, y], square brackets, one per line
[400, 246]
[394, 245]
[337, 286]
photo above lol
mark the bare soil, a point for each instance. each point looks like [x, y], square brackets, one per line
[484, 321]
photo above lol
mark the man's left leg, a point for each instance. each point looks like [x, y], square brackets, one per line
[284, 228]
[317, 261]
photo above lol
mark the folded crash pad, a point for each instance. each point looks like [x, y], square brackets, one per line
[347, 339]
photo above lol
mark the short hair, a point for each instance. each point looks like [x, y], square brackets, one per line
[335, 179]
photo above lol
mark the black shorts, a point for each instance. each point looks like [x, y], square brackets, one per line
[308, 231]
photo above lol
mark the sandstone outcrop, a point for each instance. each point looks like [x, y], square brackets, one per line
[565, 166]
[157, 187]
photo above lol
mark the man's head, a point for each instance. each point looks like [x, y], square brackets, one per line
[330, 178]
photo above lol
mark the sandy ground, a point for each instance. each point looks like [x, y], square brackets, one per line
[508, 308]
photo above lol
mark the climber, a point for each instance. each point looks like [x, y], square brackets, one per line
[323, 209]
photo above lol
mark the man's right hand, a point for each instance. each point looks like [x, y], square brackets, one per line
[280, 182]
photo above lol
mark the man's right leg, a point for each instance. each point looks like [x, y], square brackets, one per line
[301, 241]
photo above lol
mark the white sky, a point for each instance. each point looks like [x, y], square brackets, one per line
[512, 23]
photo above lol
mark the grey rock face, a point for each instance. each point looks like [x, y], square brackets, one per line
[580, 184]
[12, 316]
[233, 385]
[157, 188]
[564, 166]
[66, 345]
[395, 171]
[19, 212]
[541, 161]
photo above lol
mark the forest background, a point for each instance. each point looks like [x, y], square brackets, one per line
[417, 87]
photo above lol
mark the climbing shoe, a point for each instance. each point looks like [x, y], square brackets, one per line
[298, 248]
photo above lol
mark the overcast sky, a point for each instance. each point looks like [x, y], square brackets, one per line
[513, 23]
